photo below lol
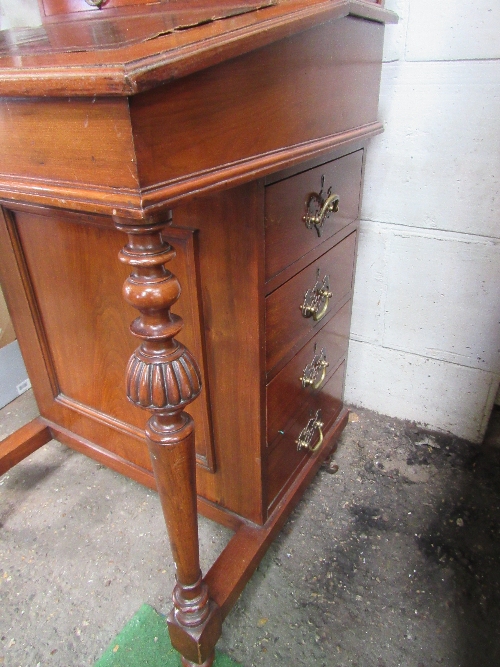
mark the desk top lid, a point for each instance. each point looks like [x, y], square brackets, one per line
[125, 50]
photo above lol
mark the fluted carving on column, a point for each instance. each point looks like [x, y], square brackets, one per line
[158, 385]
[163, 377]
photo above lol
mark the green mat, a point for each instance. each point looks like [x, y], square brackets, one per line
[144, 642]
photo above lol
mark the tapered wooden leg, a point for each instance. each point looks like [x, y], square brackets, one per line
[163, 377]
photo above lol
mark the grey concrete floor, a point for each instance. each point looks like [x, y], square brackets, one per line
[392, 561]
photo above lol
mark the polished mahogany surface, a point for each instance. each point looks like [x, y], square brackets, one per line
[286, 92]
[104, 31]
[145, 64]
[70, 10]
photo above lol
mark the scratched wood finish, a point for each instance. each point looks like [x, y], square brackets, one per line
[60, 8]
[57, 9]
[144, 65]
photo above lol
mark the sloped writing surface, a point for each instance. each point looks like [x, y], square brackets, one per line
[108, 29]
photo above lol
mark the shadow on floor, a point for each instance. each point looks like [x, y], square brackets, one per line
[463, 540]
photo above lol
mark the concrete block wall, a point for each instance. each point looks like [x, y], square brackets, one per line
[19, 14]
[425, 341]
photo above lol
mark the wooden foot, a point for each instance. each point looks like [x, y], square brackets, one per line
[163, 377]
[208, 663]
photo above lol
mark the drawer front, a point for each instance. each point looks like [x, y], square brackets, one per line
[306, 373]
[289, 318]
[289, 235]
[286, 458]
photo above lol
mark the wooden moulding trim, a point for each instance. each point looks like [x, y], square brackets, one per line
[23, 442]
[101, 455]
[141, 475]
[116, 424]
[229, 574]
[66, 195]
[64, 81]
[223, 516]
[251, 168]
[101, 417]
[140, 70]
[151, 202]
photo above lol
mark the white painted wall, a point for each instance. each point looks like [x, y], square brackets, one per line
[19, 14]
[425, 341]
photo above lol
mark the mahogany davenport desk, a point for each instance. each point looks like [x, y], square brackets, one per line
[231, 153]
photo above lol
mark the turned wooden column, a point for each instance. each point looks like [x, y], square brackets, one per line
[163, 377]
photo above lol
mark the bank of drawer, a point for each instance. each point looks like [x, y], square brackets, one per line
[285, 459]
[287, 236]
[306, 373]
[287, 329]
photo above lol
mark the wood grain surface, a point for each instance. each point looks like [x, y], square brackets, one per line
[286, 394]
[287, 236]
[287, 328]
[144, 65]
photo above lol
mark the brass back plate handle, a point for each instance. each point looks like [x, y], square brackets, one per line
[306, 436]
[319, 206]
[316, 299]
[314, 373]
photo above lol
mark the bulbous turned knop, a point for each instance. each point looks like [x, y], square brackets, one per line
[151, 294]
[165, 382]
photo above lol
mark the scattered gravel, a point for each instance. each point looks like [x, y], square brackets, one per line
[394, 560]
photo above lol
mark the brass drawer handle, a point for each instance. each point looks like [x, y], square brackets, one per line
[319, 207]
[316, 299]
[314, 373]
[306, 435]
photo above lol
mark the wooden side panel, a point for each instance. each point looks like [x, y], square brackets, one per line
[231, 244]
[82, 325]
[293, 91]
[78, 340]
[22, 307]
[82, 141]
